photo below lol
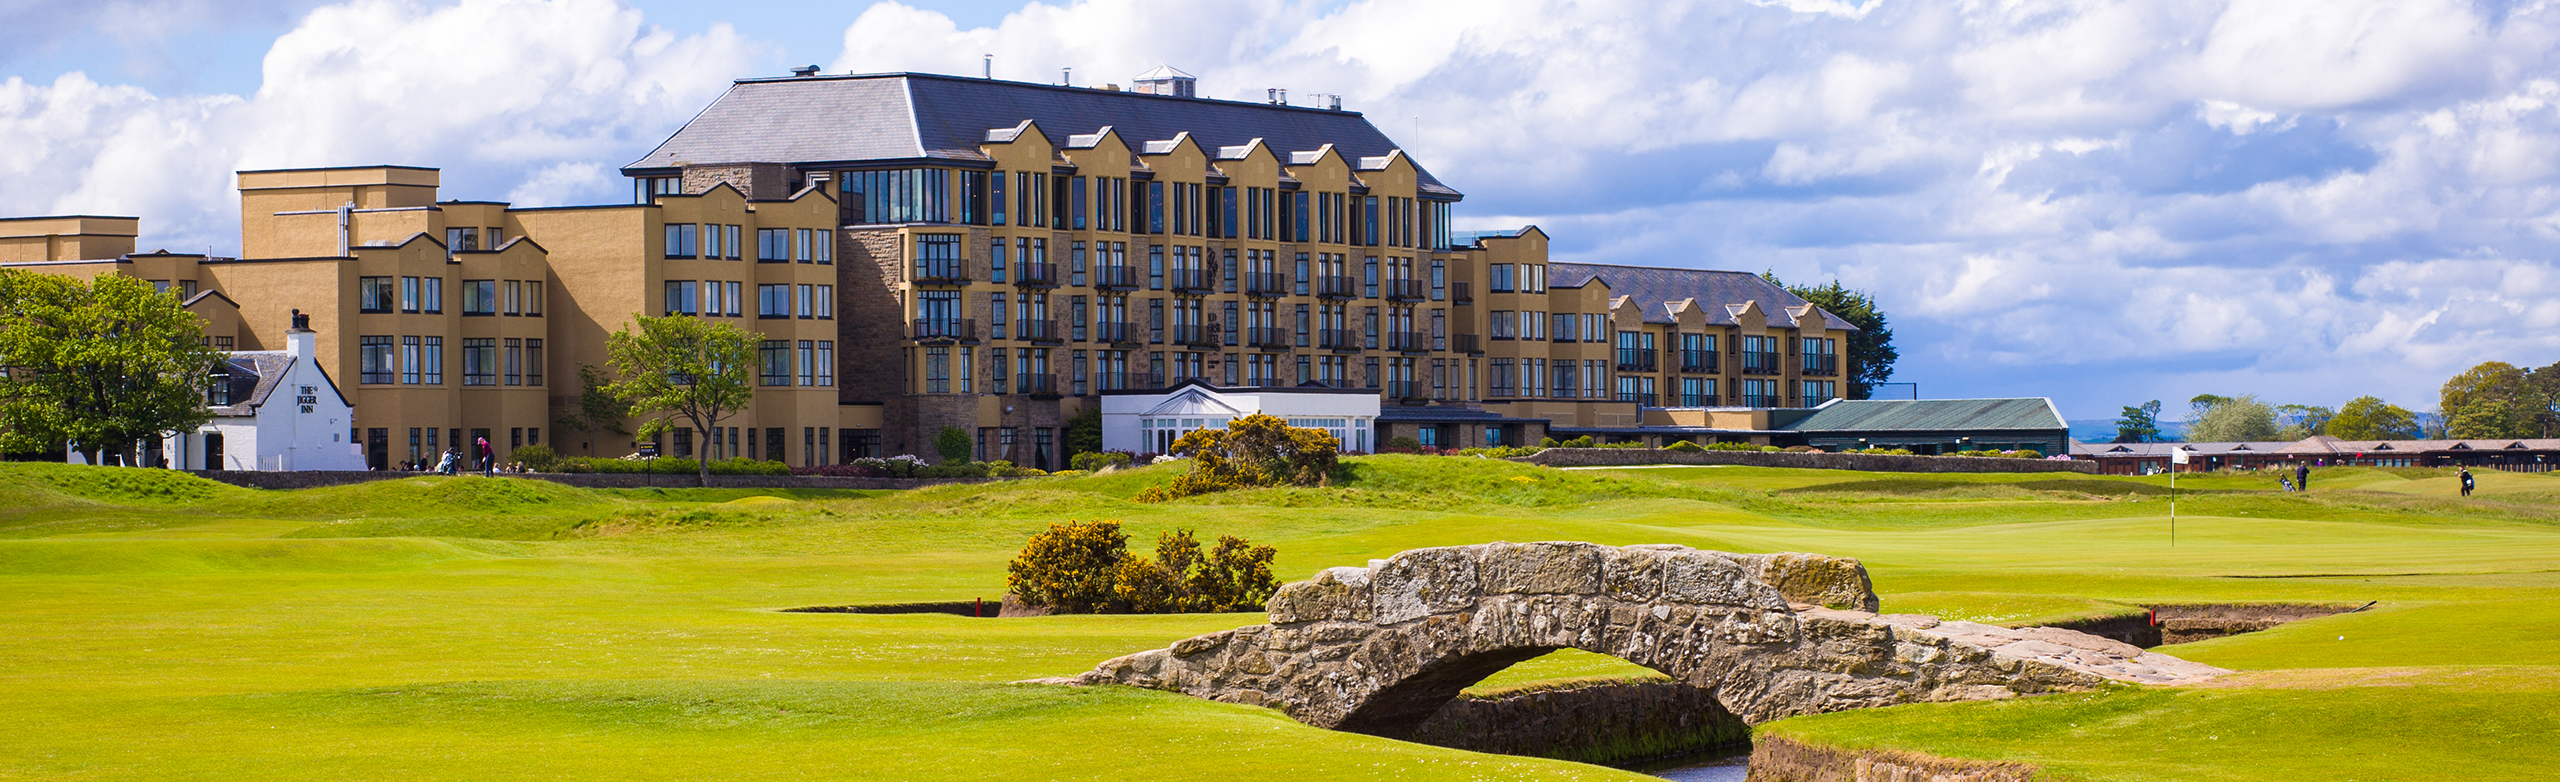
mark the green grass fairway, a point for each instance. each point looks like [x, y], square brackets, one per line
[160, 627]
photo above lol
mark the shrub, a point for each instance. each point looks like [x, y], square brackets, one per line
[1684, 446]
[1499, 451]
[1070, 568]
[1098, 461]
[854, 469]
[1626, 444]
[1086, 567]
[1731, 447]
[952, 444]
[740, 465]
[1401, 444]
[537, 457]
[2026, 453]
[1801, 449]
[1256, 450]
[1771, 449]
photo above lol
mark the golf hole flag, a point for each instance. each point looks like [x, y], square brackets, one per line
[2178, 455]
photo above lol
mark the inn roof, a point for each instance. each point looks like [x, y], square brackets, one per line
[855, 119]
[1719, 293]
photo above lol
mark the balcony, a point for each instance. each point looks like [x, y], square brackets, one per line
[1127, 381]
[1036, 385]
[1116, 333]
[1036, 275]
[1404, 290]
[1407, 390]
[1264, 382]
[1821, 365]
[1761, 400]
[1460, 294]
[1409, 341]
[1702, 400]
[1192, 281]
[1465, 343]
[1038, 331]
[1115, 278]
[1335, 286]
[1701, 362]
[1267, 338]
[942, 272]
[945, 329]
[1338, 339]
[1761, 363]
[1641, 400]
[1636, 360]
[1268, 285]
[1195, 335]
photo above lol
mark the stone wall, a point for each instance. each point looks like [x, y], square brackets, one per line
[318, 478]
[758, 181]
[1602, 457]
[1781, 759]
[1607, 724]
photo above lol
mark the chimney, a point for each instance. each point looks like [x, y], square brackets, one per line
[1335, 101]
[346, 233]
[805, 70]
[1067, 76]
[301, 341]
[991, 66]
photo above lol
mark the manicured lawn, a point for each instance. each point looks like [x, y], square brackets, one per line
[160, 627]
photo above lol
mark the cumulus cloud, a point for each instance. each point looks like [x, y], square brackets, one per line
[529, 98]
[2105, 200]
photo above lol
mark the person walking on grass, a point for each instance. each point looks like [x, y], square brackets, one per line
[488, 456]
[2466, 481]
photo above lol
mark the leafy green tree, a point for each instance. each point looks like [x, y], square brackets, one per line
[2370, 418]
[2302, 421]
[2234, 419]
[2491, 401]
[680, 367]
[1869, 350]
[2542, 387]
[2197, 406]
[2140, 423]
[599, 411]
[103, 364]
[1084, 432]
[953, 445]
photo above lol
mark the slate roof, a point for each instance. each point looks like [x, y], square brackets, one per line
[260, 371]
[1934, 415]
[908, 116]
[1719, 293]
[2317, 445]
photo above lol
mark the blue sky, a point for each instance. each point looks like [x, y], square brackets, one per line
[2102, 202]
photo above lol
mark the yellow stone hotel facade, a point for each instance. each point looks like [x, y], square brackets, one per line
[923, 251]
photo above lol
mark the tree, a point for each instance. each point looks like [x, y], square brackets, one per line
[1084, 432]
[688, 368]
[103, 364]
[598, 409]
[2370, 418]
[952, 444]
[2234, 419]
[2542, 388]
[2140, 424]
[1869, 350]
[2489, 401]
[2303, 421]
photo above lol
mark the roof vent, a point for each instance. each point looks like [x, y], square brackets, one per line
[1166, 80]
[805, 70]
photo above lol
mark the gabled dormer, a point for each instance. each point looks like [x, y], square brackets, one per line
[1748, 316]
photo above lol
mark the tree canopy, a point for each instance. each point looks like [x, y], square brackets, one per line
[2232, 419]
[2500, 400]
[2140, 423]
[1869, 351]
[103, 364]
[690, 368]
[2370, 418]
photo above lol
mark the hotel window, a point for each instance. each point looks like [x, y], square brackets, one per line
[776, 362]
[479, 297]
[773, 245]
[431, 362]
[480, 361]
[431, 295]
[1439, 280]
[1693, 392]
[533, 367]
[729, 242]
[808, 363]
[802, 250]
[533, 298]
[461, 239]
[1155, 207]
[825, 299]
[374, 294]
[515, 297]
[822, 245]
[1818, 391]
[680, 240]
[515, 361]
[995, 196]
[773, 300]
[409, 361]
[907, 195]
[408, 294]
[826, 362]
[683, 297]
[805, 300]
[376, 355]
[995, 260]
[727, 295]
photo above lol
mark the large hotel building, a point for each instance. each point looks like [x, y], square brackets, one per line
[923, 251]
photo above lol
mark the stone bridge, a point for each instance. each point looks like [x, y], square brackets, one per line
[1380, 649]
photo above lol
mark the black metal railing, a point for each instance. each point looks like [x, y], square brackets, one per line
[1122, 333]
[1408, 341]
[1195, 334]
[1337, 339]
[942, 272]
[1266, 284]
[1635, 360]
[1115, 278]
[1404, 290]
[1037, 385]
[1127, 381]
[1760, 363]
[1266, 337]
[1761, 400]
[1336, 286]
[1465, 343]
[1405, 389]
[1821, 365]
[1698, 361]
[1191, 280]
[1036, 275]
[1701, 400]
[946, 328]
[1641, 399]
[1038, 331]
[1458, 293]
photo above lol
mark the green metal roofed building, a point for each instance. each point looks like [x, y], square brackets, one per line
[1934, 426]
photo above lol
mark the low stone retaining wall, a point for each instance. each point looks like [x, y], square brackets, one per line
[1607, 724]
[317, 478]
[1628, 457]
[1781, 759]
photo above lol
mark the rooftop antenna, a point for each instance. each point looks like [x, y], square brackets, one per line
[991, 66]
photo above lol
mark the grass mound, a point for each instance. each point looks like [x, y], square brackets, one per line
[36, 482]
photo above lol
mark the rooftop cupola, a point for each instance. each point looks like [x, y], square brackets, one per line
[1166, 80]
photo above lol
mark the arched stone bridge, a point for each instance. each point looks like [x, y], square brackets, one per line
[1378, 649]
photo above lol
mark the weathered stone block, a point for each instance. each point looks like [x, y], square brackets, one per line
[1550, 568]
[1704, 578]
[1422, 582]
[1336, 594]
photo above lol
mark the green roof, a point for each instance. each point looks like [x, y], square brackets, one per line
[1934, 415]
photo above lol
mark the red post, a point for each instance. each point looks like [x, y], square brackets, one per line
[980, 610]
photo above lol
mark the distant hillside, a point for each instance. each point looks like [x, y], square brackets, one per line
[2103, 430]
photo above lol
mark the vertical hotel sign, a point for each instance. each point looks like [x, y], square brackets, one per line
[308, 398]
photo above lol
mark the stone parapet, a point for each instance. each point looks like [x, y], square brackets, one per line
[1867, 462]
